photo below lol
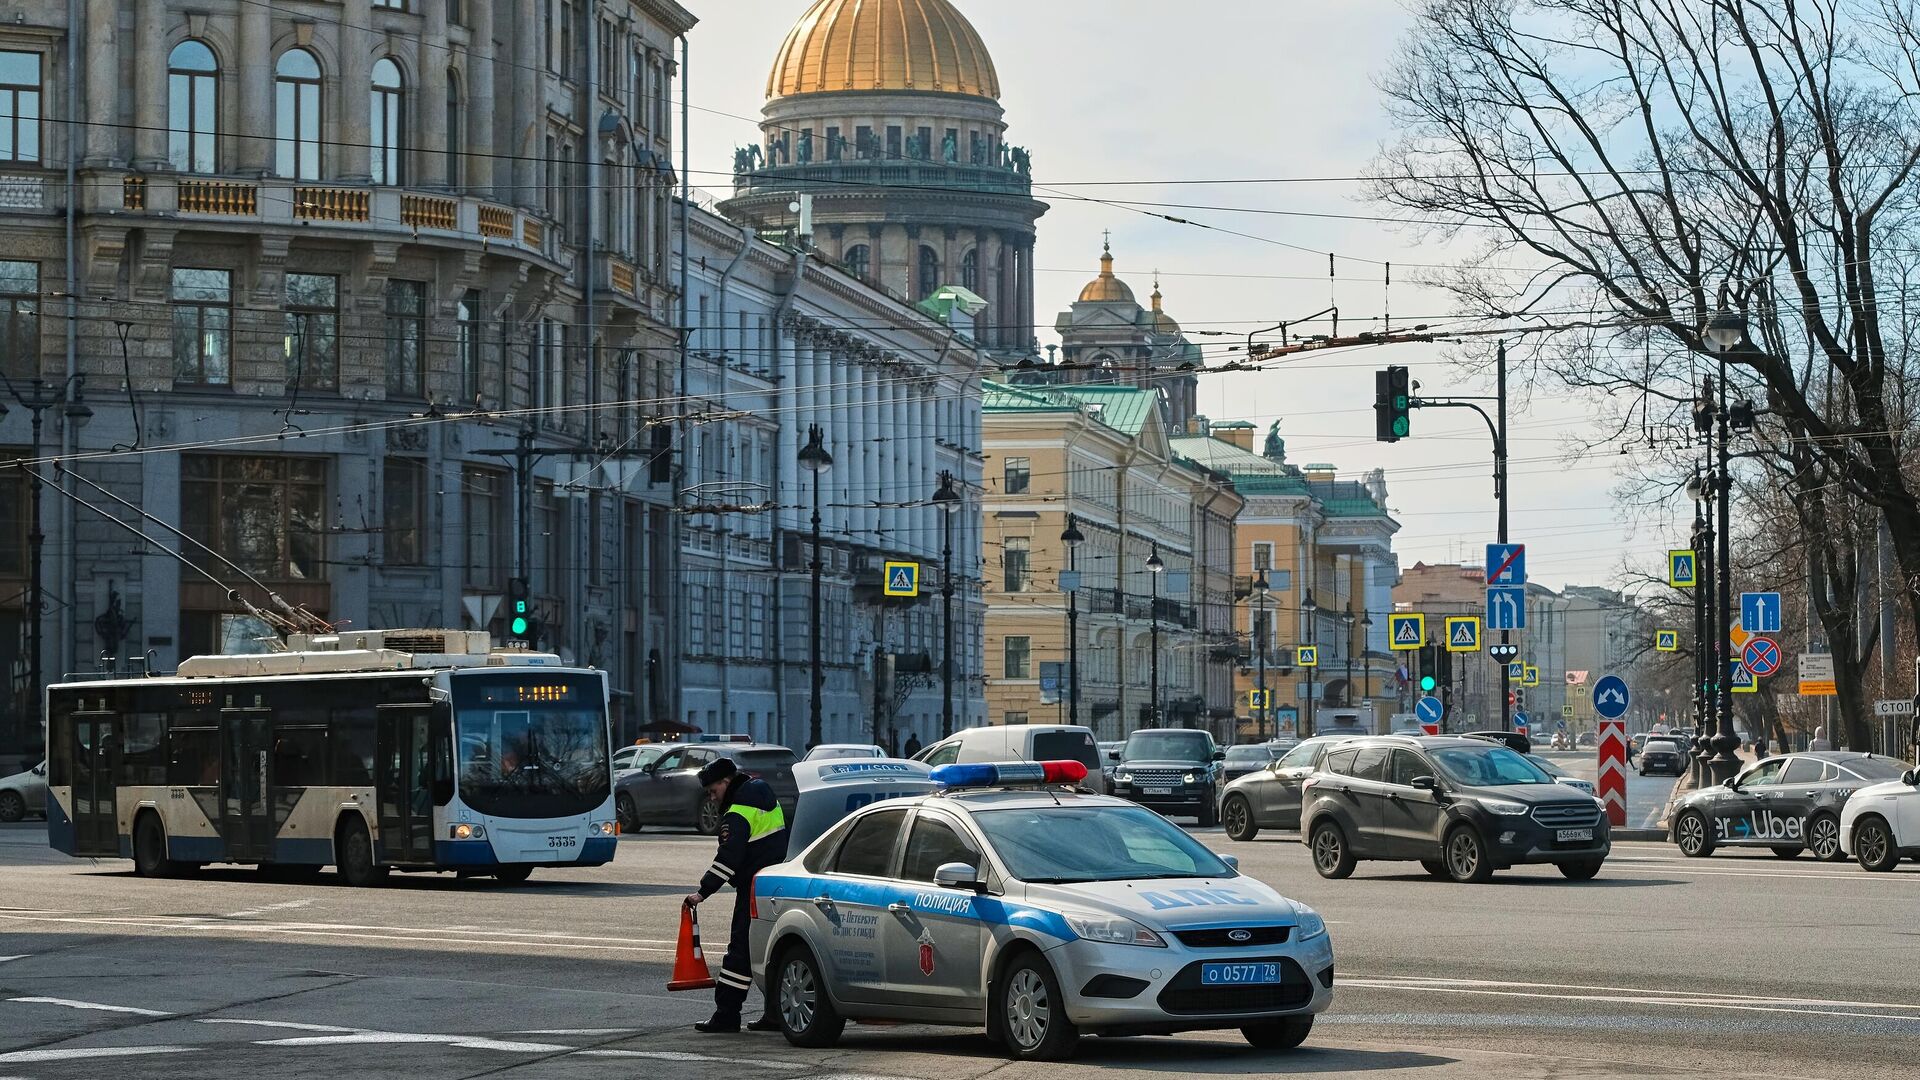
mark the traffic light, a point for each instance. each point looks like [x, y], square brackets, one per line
[1427, 684]
[1392, 404]
[522, 627]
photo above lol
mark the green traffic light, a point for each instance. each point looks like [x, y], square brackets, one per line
[518, 626]
[1426, 682]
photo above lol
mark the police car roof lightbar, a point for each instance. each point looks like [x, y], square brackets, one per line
[996, 774]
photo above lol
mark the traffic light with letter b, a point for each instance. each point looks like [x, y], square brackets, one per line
[522, 627]
[1392, 404]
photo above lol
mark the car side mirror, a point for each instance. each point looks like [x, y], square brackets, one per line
[1113, 755]
[1911, 777]
[1233, 862]
[1219, 755]
[1424, 783]
[649, 767]
[957, 875]
[40, 769]
[1732, 784]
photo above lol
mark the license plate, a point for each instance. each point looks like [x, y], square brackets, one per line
[1239, 974]
[1156, 791]
[1565, 835]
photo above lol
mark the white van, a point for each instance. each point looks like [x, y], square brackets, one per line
[1022, 742]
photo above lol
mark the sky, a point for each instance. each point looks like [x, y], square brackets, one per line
[1151, 102]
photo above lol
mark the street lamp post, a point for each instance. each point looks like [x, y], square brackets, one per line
[1723, 332]
[948, 500]
[1073, 538]
[1261, 586]
[1154, 568]
[38, 397]
[1309, 609]
[1366, 669]
[1346, 694]
[815, 459]
[1704, 654]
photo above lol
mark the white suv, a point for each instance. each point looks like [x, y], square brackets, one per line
[1021, 742]
[1881, 824]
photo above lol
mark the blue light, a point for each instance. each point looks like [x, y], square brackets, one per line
[965, 775]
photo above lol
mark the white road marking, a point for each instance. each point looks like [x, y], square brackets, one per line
[287, 1024]
[329, 930]
[579, 1031]
[675, 1055]
[378, 1038]
[93, 1006]
[262, 910]
[4, 959]
[1642, 996]
[89, 1052]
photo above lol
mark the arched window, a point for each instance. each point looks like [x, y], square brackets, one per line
[970, 272]
[857, 261]
[193, 99]
[387, 132]
[455, 133]
[929, 271]
[296, 101]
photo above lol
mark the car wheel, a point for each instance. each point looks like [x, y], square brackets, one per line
[12, 806]
[1032, 1013]
[1466, 855]
[706, 818]
[1691, 833]
[1873, 845]
[513, 875]
[1209, 813]
[150, 848]
[1279, 1034]
[1787, 852]
[354, 850]
[626, 814]
[1237, 815]
[1581, 869]
[807, 1015]
[1823, 838]
[1332, 856]
[1435, 867]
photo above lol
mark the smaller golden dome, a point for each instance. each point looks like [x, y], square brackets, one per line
[1162, 322]
[1106, 288]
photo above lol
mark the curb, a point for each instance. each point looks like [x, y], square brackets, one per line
[1637, 834]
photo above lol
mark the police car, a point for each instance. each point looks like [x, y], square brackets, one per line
[1040, 913]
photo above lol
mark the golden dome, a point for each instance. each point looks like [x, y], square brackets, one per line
[1162, 322]
[1106, 287]
[883, 45]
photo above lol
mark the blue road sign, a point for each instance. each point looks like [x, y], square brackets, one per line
[1506, 607]
[1516, 672]
[1683, 569]
[1069, 581]
[1520, 722]
[1741, 679]
[903, 579]
[1610, 697]
[1429, 710]
[1506, 564]
[1760, 612]
[1761, 656]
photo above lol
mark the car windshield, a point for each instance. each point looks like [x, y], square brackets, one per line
[1546, 766]
[1048, 845]
[1488, 767]
[1169, 746]
[1875, 768]
[828, 753]
[532, 746]
[1245, 754]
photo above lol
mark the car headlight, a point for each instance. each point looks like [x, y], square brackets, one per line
[1122, 776]
[1501, 806]
[1189, 778]
[1599, 802]
[1311, 924]
[1112, 930]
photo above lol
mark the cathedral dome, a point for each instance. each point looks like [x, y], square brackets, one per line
[841, 45]
[1106, 288]
[1163, 323]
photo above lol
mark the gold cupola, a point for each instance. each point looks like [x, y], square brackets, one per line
[841, 45]
[1106, 288]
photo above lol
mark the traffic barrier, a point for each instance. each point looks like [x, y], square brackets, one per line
[1612, 784]
[690, 971]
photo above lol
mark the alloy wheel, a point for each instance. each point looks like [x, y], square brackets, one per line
[1692, 829]
[1028, 1010]
[1871, 841]
[1463, 854]
[1823, 837]
[797, 995]
[1326, 848]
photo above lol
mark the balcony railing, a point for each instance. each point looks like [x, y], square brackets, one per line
[429, 212]
[496, 221]
[221, 198]
[840, 175]
[19, 192]
[331, 204]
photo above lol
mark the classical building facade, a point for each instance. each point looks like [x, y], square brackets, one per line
[372, 300]
[1107, 337]
[887, 113]
[783, 341]
[1100, 456]
[1325, 547]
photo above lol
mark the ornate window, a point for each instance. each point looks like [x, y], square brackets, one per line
[858, 261]
[296, 99]
[455, 131]
[388, 128]
[929, 271]
[193, 107]
[970, 271]
[20, 95]
[202, 326]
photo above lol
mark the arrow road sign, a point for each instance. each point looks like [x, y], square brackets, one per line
[1741, 680]
[1506, 564]
[1405, 632]
[1683, 569]
[903, 579]
[1507, 607]
[1761, 656]
[1760, 612]
[1463, 634]
[1430, 710]
[1610, 697]
[1666, 640]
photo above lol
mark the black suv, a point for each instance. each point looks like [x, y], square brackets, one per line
[1462, 807]
[1173, 771]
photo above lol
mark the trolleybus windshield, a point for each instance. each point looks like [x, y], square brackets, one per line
[531, 745]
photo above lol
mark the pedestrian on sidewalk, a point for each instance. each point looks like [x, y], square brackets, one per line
[753, 836]
[1820, 740]
[913, 745]
[1759, 748]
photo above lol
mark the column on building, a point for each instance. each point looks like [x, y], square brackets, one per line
[431, 155]
[839, 425]
[356, 89]
[255, 140]
[789, 403]
[102, 66]
[150, 85]
[1028, 331]
[479, 105]
[872, 491]
[527, 108]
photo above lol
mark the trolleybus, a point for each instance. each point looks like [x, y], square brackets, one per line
[371, 752]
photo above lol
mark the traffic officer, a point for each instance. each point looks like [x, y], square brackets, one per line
[753, 836]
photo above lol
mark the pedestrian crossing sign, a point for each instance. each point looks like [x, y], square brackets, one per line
[1258, 699]
[1683, 569]
[1307, 656]
[1406, 632]
[1666, 640]
[1566, 711]
[1743, 681]
[903, 579]
[1530, 676]
[1463, 634]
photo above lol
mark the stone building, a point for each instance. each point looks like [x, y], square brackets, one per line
[783, 340]
[1107, 337]
[887, 112]
[332, 268]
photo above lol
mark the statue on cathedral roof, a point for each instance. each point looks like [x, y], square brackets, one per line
[1276, 448]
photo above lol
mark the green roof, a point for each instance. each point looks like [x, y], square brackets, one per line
[1123, 408]
[1224, 456]
[1001, 397]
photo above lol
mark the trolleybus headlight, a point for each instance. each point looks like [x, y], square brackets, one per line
[464, 831]
[600, 828]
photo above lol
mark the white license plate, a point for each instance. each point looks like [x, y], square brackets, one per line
[1565, 835]
[1156, 791]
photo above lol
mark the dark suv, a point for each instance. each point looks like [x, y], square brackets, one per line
[1172, 770]
[1462, 807]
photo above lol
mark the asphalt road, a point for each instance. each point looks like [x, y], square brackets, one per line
[1647, 796]
[1735, 965]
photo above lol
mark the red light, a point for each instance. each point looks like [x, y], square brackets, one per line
[1063, 772]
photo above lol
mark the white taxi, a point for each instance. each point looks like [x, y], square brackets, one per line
[1038, 913]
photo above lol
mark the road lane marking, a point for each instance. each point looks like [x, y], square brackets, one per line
[81, 1053]
[389, 1038]
[678, 1055]
[17, 956]
[94, 1006]
[262, 910]
[287, 1024]
[1642, 996]
[396, 934]
[580, 1031]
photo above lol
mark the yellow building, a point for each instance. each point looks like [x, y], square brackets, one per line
[1324, 548]
[1152, 605]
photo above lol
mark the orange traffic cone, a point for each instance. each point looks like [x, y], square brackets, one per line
[690, 970]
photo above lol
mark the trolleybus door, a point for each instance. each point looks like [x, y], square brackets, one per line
[96, 828]
[406, 784]
[246, 820]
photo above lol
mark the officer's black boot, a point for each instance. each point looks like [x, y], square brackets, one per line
[719, 1024]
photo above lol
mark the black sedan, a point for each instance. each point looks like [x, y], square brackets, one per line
[1661, 755]
[1249, 758]
[1789, 803]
